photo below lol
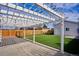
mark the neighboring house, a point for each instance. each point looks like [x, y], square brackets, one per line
[70, 28]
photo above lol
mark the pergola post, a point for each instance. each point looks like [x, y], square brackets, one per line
[33, 34]
[0, 32]
[62, 36]
[24, 30]
[24, 34]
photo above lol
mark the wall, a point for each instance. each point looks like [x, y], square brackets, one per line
[72, 31]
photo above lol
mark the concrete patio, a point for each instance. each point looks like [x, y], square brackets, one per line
[28, 49]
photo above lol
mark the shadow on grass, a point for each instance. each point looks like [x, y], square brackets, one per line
[73, 46]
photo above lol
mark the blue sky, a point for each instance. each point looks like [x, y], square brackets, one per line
[65, 7]
[70, 10]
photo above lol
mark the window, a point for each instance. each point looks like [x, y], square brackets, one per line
[78, 30]
[67, 29]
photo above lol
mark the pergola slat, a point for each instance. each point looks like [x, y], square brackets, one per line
[49, 9]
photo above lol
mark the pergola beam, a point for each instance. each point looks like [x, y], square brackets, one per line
[34, 13]
[25, 10]
[22, 17]
[19, 19]
[49, 10]
[30, 11]
[14, 7]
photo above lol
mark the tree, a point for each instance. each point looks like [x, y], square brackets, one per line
[44, 26]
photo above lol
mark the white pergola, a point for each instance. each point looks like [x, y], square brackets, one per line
[13, 15]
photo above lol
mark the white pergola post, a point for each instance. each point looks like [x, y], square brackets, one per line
[24, 29]
[62, 36]
[33, 34]
[1, 30]
[10, 33]
[0, 33]
[24, 34]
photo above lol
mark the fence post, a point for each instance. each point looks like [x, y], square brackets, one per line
[33, 34]
[62, 36]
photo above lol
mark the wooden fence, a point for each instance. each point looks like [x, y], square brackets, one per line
[14, 33]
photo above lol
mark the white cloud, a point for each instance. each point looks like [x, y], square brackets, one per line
[72, 16]
[65, 5]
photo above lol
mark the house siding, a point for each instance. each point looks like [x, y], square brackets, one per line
[72, 29]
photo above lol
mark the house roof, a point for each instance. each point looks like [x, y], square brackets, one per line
[68, 22]
[72, 21]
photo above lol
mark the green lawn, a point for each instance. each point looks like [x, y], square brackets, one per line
[50, 40]
[71, 45]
